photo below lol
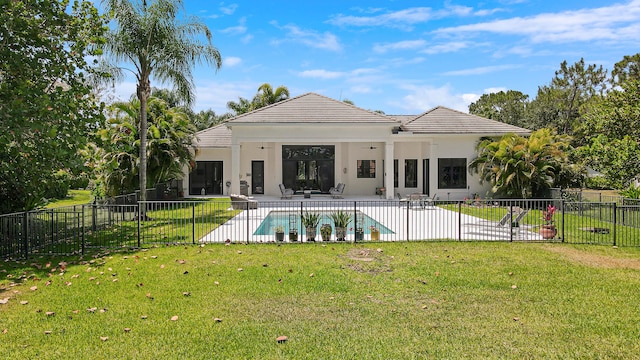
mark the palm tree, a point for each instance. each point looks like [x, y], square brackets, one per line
[158, 45]
[521, 167]
[169, 145]
[266, 95]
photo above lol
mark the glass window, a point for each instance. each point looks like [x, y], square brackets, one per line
[367, 169]
[452, 173]
[411, 173]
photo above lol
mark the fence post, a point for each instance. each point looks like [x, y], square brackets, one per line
[93, 216]
[25, 234]
[510, 222]
[459, 220]
[193, 223]
[246, 208]
[82, 239]
[562, 211]
[615, 223]
[139, 223]
[355, 220]
[408, 225]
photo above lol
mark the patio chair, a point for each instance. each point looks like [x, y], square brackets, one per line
[402, 201]
[508, 218]
[241, 202]
[336, 192]
[428, 201]
[286, 193]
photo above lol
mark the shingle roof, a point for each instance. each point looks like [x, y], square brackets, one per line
[312, 108]
[442, 120]
[218, 136]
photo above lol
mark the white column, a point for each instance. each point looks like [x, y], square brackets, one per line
[433, 169]
[388, 170]
[235, 168]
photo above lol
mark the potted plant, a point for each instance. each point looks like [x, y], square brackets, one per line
[325, 232]
[310, 222]
[293, 234]
[279, 230]
[548, 229]
[375, 233]
[341, 220]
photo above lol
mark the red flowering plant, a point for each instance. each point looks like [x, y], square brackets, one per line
[547, 215]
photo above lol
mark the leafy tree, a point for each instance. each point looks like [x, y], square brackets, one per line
[169, 146]
[241, 107]
[264, 96]
[158, 45]
[572, 87]
[627, 69]
[267, 96]
[611, 129]
[521, 167]
[508, 107]
[46, 105]
[208, 118]
[617, 159]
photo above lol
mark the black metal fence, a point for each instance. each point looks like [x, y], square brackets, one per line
[72, 230]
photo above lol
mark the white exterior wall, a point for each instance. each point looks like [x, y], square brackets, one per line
[352, 143]
[209, 154]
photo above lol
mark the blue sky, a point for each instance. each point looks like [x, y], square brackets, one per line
[404, 57]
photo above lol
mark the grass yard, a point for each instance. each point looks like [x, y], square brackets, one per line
[332, 301]
[75, 197]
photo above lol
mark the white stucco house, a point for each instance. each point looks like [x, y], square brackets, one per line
[312, 142]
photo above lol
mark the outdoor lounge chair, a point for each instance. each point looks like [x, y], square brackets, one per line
[508, 218]
[286, 193]
[241, 202]
[336, 192]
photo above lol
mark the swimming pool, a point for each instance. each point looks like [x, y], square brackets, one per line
[291, 219]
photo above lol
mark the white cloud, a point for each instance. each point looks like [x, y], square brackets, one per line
[229, 9]
[446, 48]
[423, 98]
[615, 22]
[321, 74]
[326, 74]
[479, 70]
[231, 61]
[123, 91]
[400, 45]
[361, 89]
[325, 41]
[236, 30]
[215, 95]
[406, 18]
[494, 90]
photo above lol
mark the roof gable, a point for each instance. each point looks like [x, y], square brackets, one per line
[312, 108]
[442, 120]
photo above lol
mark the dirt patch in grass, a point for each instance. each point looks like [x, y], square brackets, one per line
[595, 260]
[368, 261]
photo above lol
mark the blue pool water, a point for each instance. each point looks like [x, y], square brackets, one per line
[292, 218]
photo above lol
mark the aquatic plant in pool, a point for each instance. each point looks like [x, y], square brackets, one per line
[285, 218]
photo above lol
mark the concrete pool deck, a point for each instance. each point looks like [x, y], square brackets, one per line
[417, 223]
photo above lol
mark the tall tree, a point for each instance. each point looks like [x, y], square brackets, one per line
[157, 44]
[573, 86]
[611, 129]
[46, 105]
[169, 146]
[508, 107]
[627, 69]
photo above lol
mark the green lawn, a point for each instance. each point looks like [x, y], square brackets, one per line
[75, 197]
[332, 301]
